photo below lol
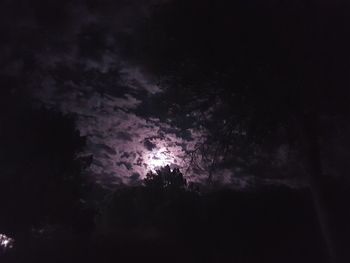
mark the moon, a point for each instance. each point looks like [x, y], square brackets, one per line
[159, 157]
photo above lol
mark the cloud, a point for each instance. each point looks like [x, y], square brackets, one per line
[122, 142]
[69, 55]
[126, 164]
[104, 148]
[123, 136]
[149, 145]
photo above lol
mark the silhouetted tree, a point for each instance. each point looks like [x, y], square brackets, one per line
[165, 178]
[41, 177]
[162, 205]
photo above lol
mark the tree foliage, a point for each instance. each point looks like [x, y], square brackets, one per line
[165, 178]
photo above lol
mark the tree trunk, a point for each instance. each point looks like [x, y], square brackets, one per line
[317, 182]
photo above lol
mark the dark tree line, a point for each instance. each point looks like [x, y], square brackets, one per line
[42, 179]
[267, 224]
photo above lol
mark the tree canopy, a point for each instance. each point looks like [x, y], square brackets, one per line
[165, 178]
[41, 180]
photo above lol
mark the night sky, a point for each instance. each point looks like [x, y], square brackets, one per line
[104, 62]
[70, 56]
[243, 96]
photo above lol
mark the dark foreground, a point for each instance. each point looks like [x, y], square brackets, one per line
[138, 225]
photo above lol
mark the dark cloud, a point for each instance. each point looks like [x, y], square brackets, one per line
[126, 164]
[139, 162]
[123, 136]
[135, 176]
[149, 145]
[125, 155]
[105, 148]
[97, 163]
